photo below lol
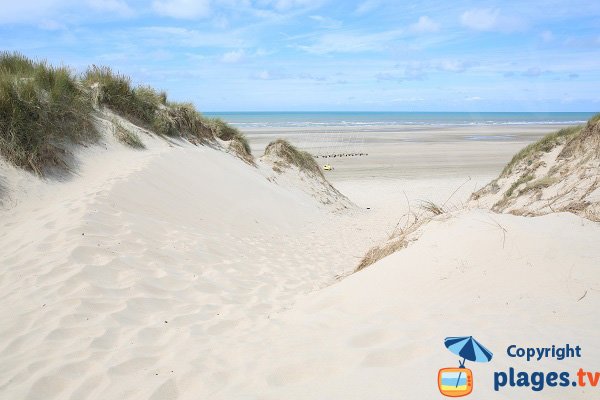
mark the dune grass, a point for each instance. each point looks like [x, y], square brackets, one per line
[291, 155]
[41, 108]
[127, 137]
[378, 252]
[44, 108]
[115, 91]
[540, 183]
[432, 208]
[594, 119]
[182, 119]
[237, 141]
[544, 145]
[523, 179]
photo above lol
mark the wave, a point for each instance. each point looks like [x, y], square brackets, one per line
[366, 124]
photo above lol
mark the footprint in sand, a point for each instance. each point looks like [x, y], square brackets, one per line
[388, 357]
[368, 339]
[167, 390]
[132, 366]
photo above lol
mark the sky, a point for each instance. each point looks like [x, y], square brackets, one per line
[319, 55]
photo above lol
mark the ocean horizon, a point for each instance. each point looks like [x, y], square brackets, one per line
[283, 119]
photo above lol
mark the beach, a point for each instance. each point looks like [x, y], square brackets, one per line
[421, 162]
[180, 272]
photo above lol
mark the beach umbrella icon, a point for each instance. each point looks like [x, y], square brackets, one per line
[469, 349]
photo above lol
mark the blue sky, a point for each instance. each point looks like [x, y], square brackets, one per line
[270, 55]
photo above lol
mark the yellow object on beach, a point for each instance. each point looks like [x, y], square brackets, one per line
[327, 167]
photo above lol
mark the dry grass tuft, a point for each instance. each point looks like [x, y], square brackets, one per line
[287, 152]
[127, 137]
[239, 147]
[398, 240]
[432, 208]
[402, 235]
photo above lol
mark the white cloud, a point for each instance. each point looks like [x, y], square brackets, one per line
[284, 5]
[547, 36]
[263, 75]
[486, 19]
[407, 99]
[232, 57]
[412, 71]
[425, 25]
[351, 42]
[51, 25]
[453, 65]
[366, 6]
[326, 22]
[49, 14]
[183, 9]
[190, 38]
[266, 75]
[473, 98]
[118, 7]
[534, 72]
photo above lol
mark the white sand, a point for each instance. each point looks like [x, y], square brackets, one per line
[180, 272]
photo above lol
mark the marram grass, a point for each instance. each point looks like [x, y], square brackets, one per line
[44, 109]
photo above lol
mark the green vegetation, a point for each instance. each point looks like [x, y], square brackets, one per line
[239, 144]
[116, 92]
[222, 130]
[523, 179]
[127, 137]
[291, 155]
[147, 107]
[594, 119]
[41, 108]
[182, 120]
[544, 145]
[541, 183]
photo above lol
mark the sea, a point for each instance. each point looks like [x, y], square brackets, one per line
[257, 120]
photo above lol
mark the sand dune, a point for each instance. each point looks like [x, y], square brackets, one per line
[181, 272]
[559, 173]
[379, 333]
[109, 279]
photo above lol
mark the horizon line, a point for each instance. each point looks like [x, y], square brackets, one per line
[396, 111]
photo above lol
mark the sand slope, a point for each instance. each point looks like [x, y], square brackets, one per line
[133, 278]
[379, 333]
[563, 175]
